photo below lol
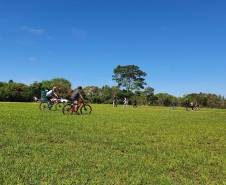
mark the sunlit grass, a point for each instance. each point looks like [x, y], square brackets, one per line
[147, 145]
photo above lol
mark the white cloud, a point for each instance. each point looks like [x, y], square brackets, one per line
[34, 31]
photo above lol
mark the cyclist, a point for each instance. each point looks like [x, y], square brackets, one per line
[125, 101]
[50, 95]
[135, 103]
[192, 105]
[115, 101]
[187, 105]
[77, 97]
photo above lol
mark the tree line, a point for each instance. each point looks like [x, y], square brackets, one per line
[18, 92]
[130, 84]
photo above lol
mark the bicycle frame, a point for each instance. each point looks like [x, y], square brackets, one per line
[55, 100]
[80, 104]
[79, 107]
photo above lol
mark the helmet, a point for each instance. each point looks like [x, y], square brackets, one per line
[80, 87]
[54, 88]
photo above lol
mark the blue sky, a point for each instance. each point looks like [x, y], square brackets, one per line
[181, 44]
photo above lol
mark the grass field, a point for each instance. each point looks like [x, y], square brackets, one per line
[148, 145]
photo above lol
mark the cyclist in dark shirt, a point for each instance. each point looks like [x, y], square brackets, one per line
[77, 96]
[115, 101]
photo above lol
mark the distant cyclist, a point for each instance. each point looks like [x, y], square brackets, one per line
[125, 102]
[115, 101]
[77, 96]
[51, 94]
[135, 103]
[192, 105]
[187, 105]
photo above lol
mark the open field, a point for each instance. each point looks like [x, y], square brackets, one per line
[148, 145]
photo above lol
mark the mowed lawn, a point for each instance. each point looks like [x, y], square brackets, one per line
[147, 145]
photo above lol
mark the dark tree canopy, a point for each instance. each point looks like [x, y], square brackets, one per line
[129, 77]
[12, 91]
[63, 86]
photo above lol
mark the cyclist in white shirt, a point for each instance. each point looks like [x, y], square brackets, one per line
[125, 101]
[51, 94]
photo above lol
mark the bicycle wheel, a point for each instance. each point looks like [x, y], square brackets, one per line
[56, 107]
[86, 109]
[59, 106]
[53, 107]
[44, 106]
[67, 110]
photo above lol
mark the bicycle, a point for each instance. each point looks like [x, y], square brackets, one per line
[196, 107]
[54, 105]
[82, 108]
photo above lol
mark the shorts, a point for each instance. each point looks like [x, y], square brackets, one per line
[49, 98]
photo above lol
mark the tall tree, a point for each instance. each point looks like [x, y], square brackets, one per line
[129, 77]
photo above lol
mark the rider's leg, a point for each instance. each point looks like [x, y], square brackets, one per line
[49, 102]
[75, 105]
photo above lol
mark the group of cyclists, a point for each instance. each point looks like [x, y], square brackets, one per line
[192, 105]
[76, 97]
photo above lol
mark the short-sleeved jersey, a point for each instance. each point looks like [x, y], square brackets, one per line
[49, 93]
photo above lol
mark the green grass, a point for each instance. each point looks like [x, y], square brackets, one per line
[148, 145]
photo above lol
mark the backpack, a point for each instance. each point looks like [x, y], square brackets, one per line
[43, 95]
